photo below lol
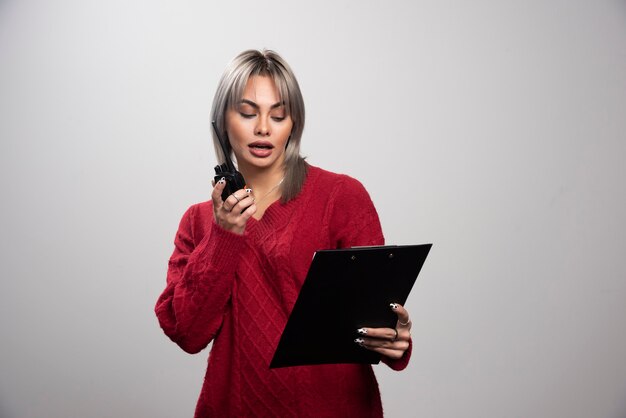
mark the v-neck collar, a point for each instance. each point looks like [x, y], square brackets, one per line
[278, 214]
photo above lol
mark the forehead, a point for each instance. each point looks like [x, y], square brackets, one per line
[262, 90]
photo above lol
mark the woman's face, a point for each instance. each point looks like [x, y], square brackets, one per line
[258, 126]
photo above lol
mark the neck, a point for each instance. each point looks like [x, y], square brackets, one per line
[262, 180]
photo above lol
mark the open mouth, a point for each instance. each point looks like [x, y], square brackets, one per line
[261, 145]
[261, 149]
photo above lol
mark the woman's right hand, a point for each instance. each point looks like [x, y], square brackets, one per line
[230, 213]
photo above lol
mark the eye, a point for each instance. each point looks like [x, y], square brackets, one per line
[247, 115]
[278, 118]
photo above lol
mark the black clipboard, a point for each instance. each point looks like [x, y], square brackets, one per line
[346, 289]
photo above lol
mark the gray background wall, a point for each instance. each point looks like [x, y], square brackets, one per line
[494, 129]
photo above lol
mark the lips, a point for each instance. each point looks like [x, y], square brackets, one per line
[261, 149]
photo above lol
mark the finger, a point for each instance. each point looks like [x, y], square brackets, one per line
[239, 201]
[381, 333]
[242, 193]
[387, 334]
[388, 352]
[216, 195]
[230, 203]
[248, 212]
[376, 342]
[401, 341]
[404, 320]
[243, 204]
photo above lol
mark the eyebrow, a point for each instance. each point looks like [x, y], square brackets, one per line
[251, 103]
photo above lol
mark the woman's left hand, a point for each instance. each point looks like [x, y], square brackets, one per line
[389, 342]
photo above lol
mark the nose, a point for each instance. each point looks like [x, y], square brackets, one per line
[262, 128]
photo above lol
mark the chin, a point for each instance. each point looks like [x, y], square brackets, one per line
[265, 162]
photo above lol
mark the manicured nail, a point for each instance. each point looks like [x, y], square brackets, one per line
[248, 191]
[359, 341]
[394, 306]
[362, 331]
[222, 180]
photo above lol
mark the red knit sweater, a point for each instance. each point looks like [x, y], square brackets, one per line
[238, 291]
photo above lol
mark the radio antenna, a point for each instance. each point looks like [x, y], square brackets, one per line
[229, 162]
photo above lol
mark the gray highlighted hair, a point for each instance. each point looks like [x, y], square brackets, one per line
[230, 92]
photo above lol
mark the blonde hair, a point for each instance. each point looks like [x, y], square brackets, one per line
[230, 91]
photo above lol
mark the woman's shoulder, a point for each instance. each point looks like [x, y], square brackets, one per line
[336, 182]
[333, 181]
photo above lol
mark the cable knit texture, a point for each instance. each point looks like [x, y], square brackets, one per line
[238, 291]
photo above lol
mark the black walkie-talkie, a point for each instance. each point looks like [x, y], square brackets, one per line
[234, 179]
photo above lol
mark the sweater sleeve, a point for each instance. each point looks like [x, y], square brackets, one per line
[199, 283]
[354, 222]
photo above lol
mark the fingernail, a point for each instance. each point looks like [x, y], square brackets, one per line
[359, 341]
[222, 180]
[394, 306]
[362, 331]
[248, 191]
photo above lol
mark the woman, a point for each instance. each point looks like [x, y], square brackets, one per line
[239, 263]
